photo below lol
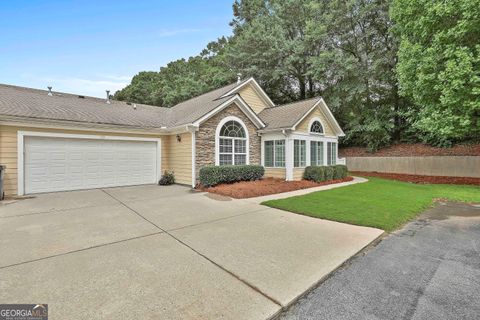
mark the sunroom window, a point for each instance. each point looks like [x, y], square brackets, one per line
[331, 153]
[316, 153]
[274, 153]
[232, 144]
[299, 153]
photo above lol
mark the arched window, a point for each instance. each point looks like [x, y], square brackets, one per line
[316, 127]
[232, 143]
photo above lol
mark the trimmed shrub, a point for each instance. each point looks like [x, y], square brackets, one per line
[212, 175]
[314, 173]
[340, 171]
[329, 172]
[168, 178]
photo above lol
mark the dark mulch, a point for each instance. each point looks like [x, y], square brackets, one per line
[420, 179]
[412, 150]
[266, 186]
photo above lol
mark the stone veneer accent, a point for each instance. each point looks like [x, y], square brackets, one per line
[205, 137]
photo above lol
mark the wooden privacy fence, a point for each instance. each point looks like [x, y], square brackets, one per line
[450, 166]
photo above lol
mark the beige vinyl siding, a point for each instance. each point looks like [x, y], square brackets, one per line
[252, 98]
[275, 173]
[8, 149]
[179, 157]
[298, 173]
[327, 127]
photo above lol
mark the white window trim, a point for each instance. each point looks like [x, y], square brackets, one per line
[310, 126]
[217, 138]
[274, 153]
[21, 149]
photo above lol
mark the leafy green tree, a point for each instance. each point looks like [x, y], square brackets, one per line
[439, 66]
[181, 79]
[343, 50]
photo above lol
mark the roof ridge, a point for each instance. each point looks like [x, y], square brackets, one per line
[210, 91]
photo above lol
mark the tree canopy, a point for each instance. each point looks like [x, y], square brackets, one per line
[439, 66]
[390, 71]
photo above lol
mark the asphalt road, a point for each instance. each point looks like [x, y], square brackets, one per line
[430, 269]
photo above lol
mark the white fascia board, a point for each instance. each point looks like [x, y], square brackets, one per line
[256, 87]
[332, 118]
[243, 106]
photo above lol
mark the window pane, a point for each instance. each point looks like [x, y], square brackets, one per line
[232, 129]
[268, 153]
[313, 153]
[334, 153]
[240, 159]
[225, 145]
[280, 153]
[225, 159]
[316, 127]
[320, 153]
[329, 153]
[300, 153]
[296, 153]
[240, 146]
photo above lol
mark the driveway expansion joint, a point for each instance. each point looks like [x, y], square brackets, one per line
[80, 250]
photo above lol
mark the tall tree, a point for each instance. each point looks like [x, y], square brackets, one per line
[439, 66]
[181, 79]
[341, 49]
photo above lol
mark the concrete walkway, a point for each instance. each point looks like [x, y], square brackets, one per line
[304, 191]
[164, 252]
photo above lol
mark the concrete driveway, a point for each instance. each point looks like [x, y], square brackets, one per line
[151, 252]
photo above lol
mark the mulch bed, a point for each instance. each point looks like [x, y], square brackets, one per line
[266, 186]
[421, 179]
[412, 150]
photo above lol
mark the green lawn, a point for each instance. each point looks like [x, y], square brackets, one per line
[379, 203]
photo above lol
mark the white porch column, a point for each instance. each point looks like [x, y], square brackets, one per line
[289, 158]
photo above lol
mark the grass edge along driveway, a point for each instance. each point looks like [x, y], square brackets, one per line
[378, 203]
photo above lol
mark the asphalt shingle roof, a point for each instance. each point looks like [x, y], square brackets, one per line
[37, 104]
[286, 115]
[34, 103]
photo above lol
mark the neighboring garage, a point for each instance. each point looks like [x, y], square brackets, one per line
[60, 162]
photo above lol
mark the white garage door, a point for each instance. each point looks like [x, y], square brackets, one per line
[59, 164]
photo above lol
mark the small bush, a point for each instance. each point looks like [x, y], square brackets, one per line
[314, 173]
[340, 171]
[213, 175]
[167, 178]
[329, 173]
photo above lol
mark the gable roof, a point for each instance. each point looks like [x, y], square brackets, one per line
[288, 116]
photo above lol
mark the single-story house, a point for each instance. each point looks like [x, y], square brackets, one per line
[52, 141]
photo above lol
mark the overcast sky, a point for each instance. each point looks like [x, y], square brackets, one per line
[86, 47]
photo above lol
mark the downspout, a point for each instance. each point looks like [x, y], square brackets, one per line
[193, 129]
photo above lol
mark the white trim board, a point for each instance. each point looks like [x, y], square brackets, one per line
[21, 149]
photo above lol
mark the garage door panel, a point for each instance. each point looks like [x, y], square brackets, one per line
[59, 164]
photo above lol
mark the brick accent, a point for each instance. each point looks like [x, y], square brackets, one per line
[205, 137]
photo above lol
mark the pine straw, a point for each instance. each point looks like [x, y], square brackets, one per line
[266, 186]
